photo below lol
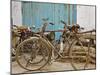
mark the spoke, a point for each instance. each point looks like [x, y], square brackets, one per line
[27, 64]
[81, 45]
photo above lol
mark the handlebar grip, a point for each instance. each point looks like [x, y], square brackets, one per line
[82, 28]
[14, 26]
[63, 22]
[45, 19]
[51, 23]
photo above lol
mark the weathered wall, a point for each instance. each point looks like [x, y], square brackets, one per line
[86, 16]
[16, 13]
[34, 12]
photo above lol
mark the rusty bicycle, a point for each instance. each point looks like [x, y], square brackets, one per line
[37, 51]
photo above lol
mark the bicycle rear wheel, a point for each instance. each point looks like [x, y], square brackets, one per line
[33, 54]
[78, 54]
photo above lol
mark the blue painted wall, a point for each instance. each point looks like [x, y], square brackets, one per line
[34, 12]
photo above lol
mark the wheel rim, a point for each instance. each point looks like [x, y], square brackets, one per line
[39, 61]
[78, 55]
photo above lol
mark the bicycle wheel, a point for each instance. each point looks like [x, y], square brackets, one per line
[61, 49]
[33, 54]
[78, 54]
[66, 47]
[91, 57]
[67, 42]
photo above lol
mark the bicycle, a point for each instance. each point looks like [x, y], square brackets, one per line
[19, 34]
[80, 52]
[43, 51]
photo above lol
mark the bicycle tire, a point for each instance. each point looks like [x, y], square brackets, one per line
[77, 64]
[44, 43]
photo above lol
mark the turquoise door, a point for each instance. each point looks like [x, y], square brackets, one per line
[34, 12]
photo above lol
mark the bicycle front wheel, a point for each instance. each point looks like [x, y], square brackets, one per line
[33, 54]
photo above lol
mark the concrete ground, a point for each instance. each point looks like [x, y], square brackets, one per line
[55, 66]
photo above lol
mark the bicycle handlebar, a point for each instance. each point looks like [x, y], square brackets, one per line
[51, 23]
[82, 28]
[63, 22]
